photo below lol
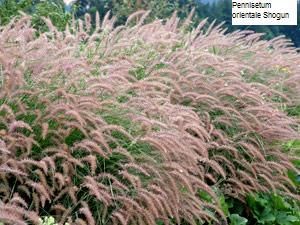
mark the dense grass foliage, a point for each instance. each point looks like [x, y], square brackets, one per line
[145, 123]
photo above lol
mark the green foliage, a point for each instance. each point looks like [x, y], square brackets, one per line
[235, 219]
[10, 8]
[224, 205]
[294, 110]
[273, 209]
[205, 196]
[293, 146]
[260, 209]
[54, 11]
[37, 9]
[122, 9]
[48, 220]
[219, 10]
[139, 73]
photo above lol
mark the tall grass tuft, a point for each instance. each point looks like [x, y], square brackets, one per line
[129, 124]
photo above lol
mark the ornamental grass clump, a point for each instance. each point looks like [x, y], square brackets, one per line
[129, 124]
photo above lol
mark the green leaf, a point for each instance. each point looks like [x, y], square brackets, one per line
[236, 219]
[205, 196]
[159, 222]
[279, 202]
[266, 216]
[294, 177]
[284, 218]
[293, 219]
[224, 205]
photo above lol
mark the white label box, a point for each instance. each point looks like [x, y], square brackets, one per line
[264, 12]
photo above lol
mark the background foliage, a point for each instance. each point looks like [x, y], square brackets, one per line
[217, 9]
[54, 9]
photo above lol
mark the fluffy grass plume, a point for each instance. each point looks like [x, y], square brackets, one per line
[128, 124]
